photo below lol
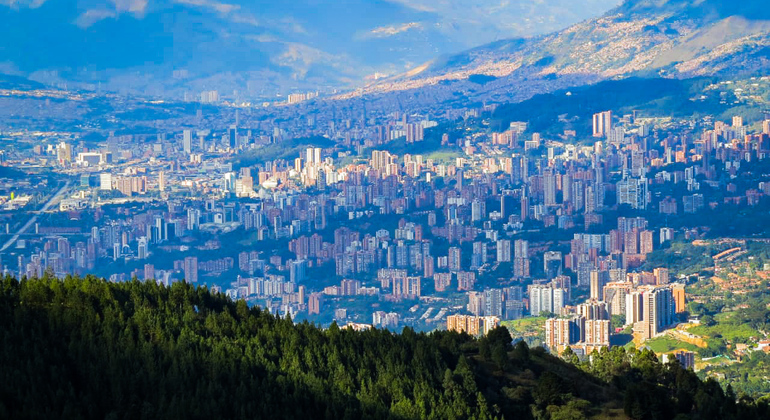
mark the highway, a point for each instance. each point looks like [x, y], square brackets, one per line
[32, 220]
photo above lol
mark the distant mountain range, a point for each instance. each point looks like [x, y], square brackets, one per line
[256, 47]
[668, 38]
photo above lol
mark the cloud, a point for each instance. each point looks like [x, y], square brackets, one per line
[32, 4]
[90, 17]
[387, 31]
[113, 10]
[136, 7]
[223, 8]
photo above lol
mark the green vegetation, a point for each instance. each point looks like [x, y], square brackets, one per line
[88, 348]
[288, 149]
[430, 143]
[746, 377]
[729, 326]
[531, 329]
[543, 111]
[682, 258]
[654, 97]
[667, 344]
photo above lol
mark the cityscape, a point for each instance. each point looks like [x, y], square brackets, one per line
[593, 221]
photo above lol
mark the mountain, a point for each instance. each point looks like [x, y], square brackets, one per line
[258, 47]
[87, 348]
[666, 38]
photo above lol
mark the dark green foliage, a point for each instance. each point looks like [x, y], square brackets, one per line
[85, 348]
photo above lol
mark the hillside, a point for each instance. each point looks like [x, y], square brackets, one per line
[85, 348]
[662, 38]
[257, 47]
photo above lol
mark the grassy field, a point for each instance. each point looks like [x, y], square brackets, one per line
[526, 326]
[667, 344]
[444, 156]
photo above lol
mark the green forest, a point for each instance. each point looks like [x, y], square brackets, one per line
[87, 348]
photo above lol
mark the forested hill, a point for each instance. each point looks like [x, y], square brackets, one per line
[85, 348]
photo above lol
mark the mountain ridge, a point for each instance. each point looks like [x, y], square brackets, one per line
[670, 38]
[257, 47]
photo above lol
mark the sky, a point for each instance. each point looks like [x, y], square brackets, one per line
[298, 39]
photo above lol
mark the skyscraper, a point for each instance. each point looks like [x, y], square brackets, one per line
[191, 269]
[549, 190]
[187, 141]
[454, 261]
[602, 124]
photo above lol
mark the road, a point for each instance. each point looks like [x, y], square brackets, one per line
[32, 220]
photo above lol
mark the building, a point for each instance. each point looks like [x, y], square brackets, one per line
[544, 298]
[658, 311]
[661, 276]
[685, 358]
[314, 302]
[576, 333]
[596, 332]
[454, 261]
[593, 310]
[677, 290]
[602, 124]
[476, 303]
[149, 272]
[552, 262]
[493, 302]
[561, 332]
[615, 297]
[473, 325]
[632, 191]
[503, 250]
[191, 269]
[187, 141]
[597, 282]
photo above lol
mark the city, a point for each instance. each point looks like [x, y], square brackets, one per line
[507, 233]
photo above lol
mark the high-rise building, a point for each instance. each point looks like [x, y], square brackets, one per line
[544, 298]
[593, 310]
[549, 190]
[473, 325]
[561, 332]
[521, 249]
[602, 124]
[597, 282]
[297, 270]
[596, 332]
[314, 302]
[615, 297]
[666, 234]
[142, 250]
[632, 191]
[454, 261]
[657, 311]
[232, 136]
[521, 267]
[503, 250]
[493, 302]
[187, 141]
[552, 262]
[191, 269]
[677, 290]
[105, 181]
[476, 303]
